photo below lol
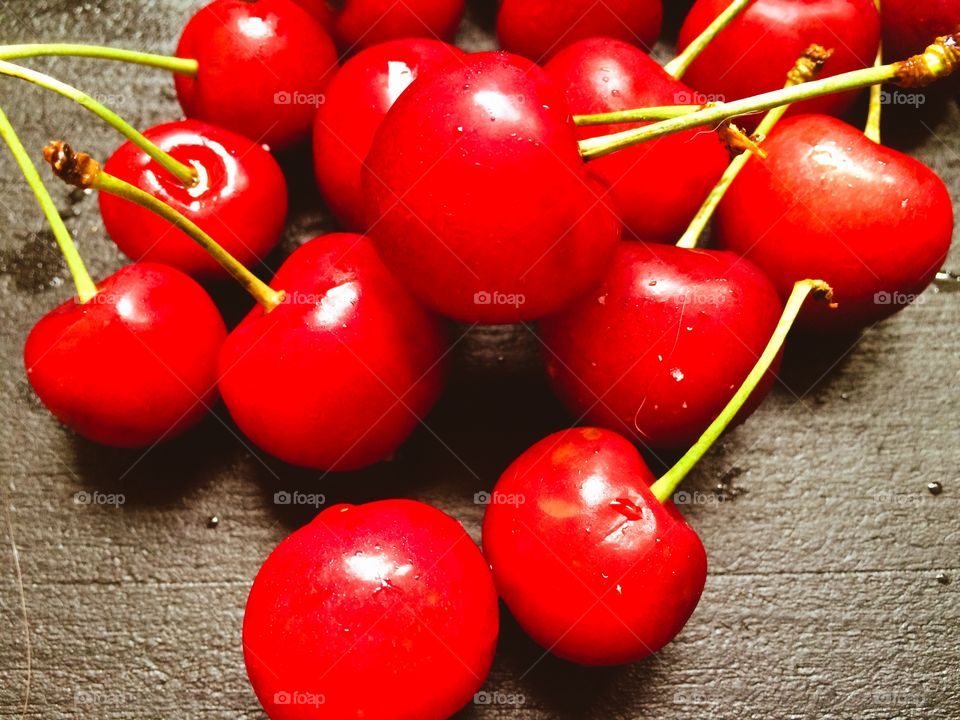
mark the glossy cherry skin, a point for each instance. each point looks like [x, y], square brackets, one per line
[134, 365]
[909, 26]
[385, 610]
[263, 69]
[590, 563]
[356, 102]
[539, 28]
[754, 52]
[828, 203]
[659, 348]
[657, 187]
[240, 199]
[341, 373]
[321, 12]
[363, 23]
[477, 197]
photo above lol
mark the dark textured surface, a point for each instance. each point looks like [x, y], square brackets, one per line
[822, 599]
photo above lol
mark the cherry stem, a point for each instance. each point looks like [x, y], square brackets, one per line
[664, 112]
[86, 287]
[664, 488]
[83, 171]
[939, 60]
[678, 66]
[872, 129]
[186, 174]
[182, 66]
[804, 70]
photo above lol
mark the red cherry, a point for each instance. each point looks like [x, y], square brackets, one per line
[134, 365]
[362, 23]
[384, 610]
[356, 102]
[673, 174]
[539, 28]
[829, 203]
[340, 374]
[477, 196]
[756, 50]
[263, 68]
[240, 199]
[590, 563]
[661, 345]
[909, 26]
[321, 12]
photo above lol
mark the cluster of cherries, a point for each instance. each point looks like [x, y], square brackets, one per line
[460, 180]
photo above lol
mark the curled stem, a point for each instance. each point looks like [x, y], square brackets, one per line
[86, 288]
[937, 61]
[664, 488]
[678, 66]
[83, 171]
[872, 129]
[804, 70]
[181, 66]
[186, 174]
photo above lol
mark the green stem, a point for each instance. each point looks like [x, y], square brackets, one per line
[678, 66]
[872, 129]
[664, 488]
[186, 174]
[86, 288]
[261, 292]
[803, 70]
[664, 112]
[716, 114]
[182, 66]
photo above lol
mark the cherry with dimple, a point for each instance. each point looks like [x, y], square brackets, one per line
[656, 188]
[477, 196]
[134, 364]
[356, 102]
[539, 28]
[240, 197]
[263, 66]
[872, 222]
[658, 348]
[383, 610]
[754, 52]
[591, 564]
[342, 370]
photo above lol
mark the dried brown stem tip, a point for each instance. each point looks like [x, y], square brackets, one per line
[823, 292]
[937, 61]
[737, 141]
[72, 167]
[809, 64]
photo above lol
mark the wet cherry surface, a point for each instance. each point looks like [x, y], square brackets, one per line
[589, 562]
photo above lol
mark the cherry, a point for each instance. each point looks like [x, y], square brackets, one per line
[477, 196]
[590, 563]
[321, 12]
[340, 373]
[383, 610]
[673, 174]
[356, 102]
[240, 197]
[363, 23]
[660, 346]
[754, 52]
[135, 364]
[873, 223]
[539, 28]
[910, 25]
[263, 68]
